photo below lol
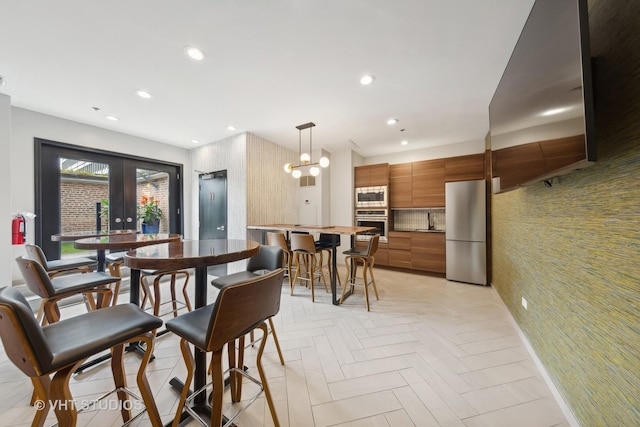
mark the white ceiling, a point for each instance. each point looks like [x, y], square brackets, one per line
[270, 65]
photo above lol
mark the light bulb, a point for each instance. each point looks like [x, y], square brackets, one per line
[288, 168]
[296, 173]
[305, 158]
[324, 162]
[314, 171]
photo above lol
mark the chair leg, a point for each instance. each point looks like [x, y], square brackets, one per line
[65, 409]
[187, 301]
[263, 377]
[40, 392]
[233, 375]
[143, 382]
[120, 380]
[292, 283]
[218, 388]
[366, 287]
[373, 280]
[275, 340]
[190, 364]
[311, 264]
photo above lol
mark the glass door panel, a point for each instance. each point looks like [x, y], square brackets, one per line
[152, 196]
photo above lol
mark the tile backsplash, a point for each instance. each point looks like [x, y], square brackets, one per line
[414, 219]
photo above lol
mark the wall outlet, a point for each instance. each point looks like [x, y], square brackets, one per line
[524, 303]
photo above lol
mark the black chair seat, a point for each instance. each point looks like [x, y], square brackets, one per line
[70, 264]
[80, 282]
[356, 252]
[193, 325]
[90, 333]
[115, 256]
[231, 279]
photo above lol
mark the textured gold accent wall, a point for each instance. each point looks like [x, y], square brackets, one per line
[573, 250]
[270, 190]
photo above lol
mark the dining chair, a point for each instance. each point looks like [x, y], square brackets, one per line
[268, 258]
[279, 240]
[61, 266]
[303, 246]
[53, 290]
[238, 309]
[59, 348]
[151, 290]
[366, 258]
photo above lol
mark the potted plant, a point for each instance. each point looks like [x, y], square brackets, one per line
[150, 213]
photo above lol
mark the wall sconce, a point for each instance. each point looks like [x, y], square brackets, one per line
[306, 161]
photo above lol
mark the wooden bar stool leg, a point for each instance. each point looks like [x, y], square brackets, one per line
[366, 287]
[40, 392]
[275, 340]
[120, 380]
[263, 377]
[190, 364]
[66, 412]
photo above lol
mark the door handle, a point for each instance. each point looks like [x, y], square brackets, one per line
[129, 219]
[118, 220]
[221, 228]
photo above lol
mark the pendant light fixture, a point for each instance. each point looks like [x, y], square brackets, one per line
[306, 161]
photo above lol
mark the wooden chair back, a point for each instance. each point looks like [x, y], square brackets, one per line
[36, 277]
[240, 307]
[277, 239]
[373, 245]
[35, 253]
[22, 336]
[303, 243]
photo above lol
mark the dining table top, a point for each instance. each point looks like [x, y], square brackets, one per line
[327, 229]
[72, 236]
[122, 241]
[190, 254]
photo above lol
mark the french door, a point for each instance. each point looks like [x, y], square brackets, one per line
[80, 189]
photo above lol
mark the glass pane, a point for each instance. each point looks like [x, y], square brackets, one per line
[82, 185]
[152, 195]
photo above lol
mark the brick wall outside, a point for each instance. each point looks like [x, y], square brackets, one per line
[78, 199]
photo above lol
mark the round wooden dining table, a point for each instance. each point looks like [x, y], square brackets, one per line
[121, 241]
[198, 254]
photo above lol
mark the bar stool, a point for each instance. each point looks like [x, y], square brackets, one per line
[355, 258]
[239, 308]
[303, 245]
[153, 296]
[268, 258]
[61, 266]
[278, 240]
[59, 348]
[114, 261]
[53, 290]
[324, 244]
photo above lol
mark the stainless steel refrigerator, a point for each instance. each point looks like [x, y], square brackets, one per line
[466, 231]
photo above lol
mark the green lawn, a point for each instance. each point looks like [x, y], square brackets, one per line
[67, 248]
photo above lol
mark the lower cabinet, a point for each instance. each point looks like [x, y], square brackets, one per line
[416, 251]
[428, 252]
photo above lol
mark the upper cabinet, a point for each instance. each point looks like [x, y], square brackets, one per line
[371, 175]
[464, 168]
[427, 183]
[400, 185]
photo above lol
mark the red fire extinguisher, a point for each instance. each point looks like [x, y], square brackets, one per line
[18, 230]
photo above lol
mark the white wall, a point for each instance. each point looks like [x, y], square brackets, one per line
[438, 152]
[6, 260]
[27, 125]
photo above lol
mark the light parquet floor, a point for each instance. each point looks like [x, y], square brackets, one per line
[429, 353]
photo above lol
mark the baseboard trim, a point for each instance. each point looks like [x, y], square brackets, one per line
[566, 410]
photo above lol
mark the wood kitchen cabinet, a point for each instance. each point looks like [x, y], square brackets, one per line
[371, 175]
[399, 249]
[428, 252]
[427, 185]
[464, 168]
[400, 185]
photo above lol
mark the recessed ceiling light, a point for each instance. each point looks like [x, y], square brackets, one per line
[554, 111]
[112, 118]
[392, 121]
[404, 142]
[194, 53]
[195, 141]
[231, 127]
[144, 94]
[367, 79]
